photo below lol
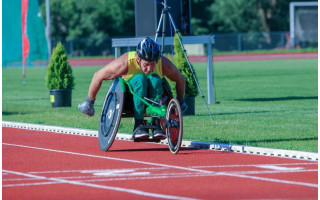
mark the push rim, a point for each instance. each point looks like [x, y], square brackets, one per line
[175, 129]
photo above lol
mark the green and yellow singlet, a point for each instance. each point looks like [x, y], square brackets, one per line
[134, 68]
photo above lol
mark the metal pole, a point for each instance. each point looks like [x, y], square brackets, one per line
[209, 73]
[48, 31]
[159, 25]
[291, 11]
[117, 52]
[24, 74]
[165, 11]
[188, 61]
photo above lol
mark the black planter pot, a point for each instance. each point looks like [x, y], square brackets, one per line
[60, 97]
[190, 101]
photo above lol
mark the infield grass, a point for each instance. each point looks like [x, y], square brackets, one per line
[259, 103]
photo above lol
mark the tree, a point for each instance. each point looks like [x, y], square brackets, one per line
[59, 75]
[199, 16]
[180, 61]
[234, 16]
[71, 19]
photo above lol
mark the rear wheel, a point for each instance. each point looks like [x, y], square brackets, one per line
[175, 127]
[110, 116]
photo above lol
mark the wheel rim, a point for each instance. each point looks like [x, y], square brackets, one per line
[174, 132]
[109, 113]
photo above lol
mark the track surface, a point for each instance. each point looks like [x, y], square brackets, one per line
[44, 165]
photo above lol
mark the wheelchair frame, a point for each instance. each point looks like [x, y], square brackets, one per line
[167, 110]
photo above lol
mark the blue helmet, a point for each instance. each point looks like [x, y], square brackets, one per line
[148, 50]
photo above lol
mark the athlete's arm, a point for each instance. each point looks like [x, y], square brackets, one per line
[170, 71]
[118, 67]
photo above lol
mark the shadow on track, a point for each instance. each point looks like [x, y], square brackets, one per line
[183, 150]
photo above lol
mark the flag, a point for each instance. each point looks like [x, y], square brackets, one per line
[25, 41]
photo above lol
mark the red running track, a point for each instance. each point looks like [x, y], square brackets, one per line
[44, 165]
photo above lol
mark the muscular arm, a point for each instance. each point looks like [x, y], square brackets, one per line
[118, 67]
[170, 71]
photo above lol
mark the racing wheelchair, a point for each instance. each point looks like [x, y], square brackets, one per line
[119, 103]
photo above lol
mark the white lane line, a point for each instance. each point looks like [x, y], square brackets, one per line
[94, 170]
[163, 168]
[112, 177]
[110, 158]
[255, 165]
[28, 184]
[156, 176]
[164, 165]
[188, 144]
[278, 168]
[276, 180]
[131, 191]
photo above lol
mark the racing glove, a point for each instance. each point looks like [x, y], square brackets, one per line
[183, 105]
[87, 107]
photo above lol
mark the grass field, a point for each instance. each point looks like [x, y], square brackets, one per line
[259, 103]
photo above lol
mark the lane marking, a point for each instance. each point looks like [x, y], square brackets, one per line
[109, 158]
[132, 191]
[290, 154]
[182, 175]
[277, 180]
[161, 168]
[120, 172]
[169, 166]
[28, 184]
[253, 165]
[95, 170]
[132, 176]
[278, 168]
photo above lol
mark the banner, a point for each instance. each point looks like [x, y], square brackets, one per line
[25, 41]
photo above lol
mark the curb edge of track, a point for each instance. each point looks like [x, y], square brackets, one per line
[301, 155]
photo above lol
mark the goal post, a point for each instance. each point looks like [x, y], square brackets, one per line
[303, 24]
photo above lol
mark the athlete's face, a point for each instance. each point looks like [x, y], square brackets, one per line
[146, 66]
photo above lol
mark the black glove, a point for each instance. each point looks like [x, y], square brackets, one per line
[183, 105]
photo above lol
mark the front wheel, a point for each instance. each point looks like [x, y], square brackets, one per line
[175, 127]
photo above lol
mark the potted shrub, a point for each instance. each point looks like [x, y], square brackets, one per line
[191, 87]
[60, 80]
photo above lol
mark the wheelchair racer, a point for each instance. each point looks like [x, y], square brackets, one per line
[144, 69]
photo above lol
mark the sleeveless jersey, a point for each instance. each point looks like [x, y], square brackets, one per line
[134, 68]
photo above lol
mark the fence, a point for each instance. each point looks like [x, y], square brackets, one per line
[235, 42]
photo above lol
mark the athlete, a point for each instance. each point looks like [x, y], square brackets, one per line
[144, 69]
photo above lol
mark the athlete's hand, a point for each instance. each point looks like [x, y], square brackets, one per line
[87, 107]
[183, 105]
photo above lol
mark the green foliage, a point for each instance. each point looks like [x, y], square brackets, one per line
[181, 63]
[59, 75]
[234, 16]
[72, 19]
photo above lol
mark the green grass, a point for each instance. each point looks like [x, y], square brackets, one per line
[260, 103]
